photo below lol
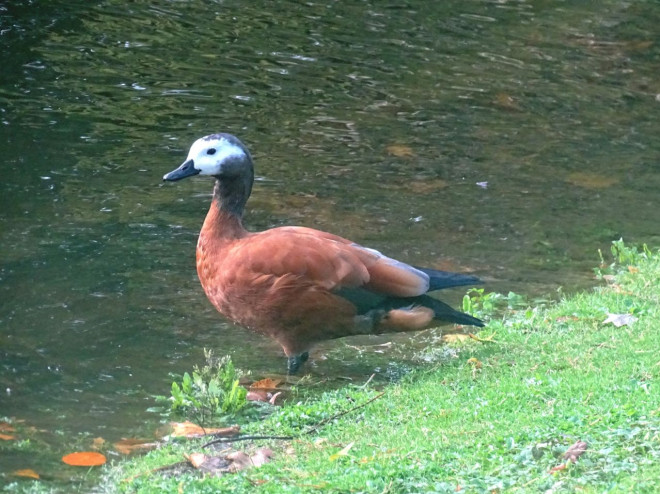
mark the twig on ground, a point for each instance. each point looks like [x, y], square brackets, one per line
[245, 438]
[223, 440]
[341, 414]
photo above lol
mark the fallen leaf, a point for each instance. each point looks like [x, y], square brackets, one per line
[427, 186]
[84, 459]
[639, 45]
[590, 180]
[475, 362]
[505, 101]
[240, 461]
[400, 151]
[27, 473]
[575, 451]
[572, 454]
[620, 319]
[262, 395]
[455, 338]
[215, 465]
[7, 437]
[131, 445]
[6, 427]
[257, 395]
[196, 459]
[633, 269]
[188, 429]
[344, 452]
[266, 384]
[98, 442]
[261, 457]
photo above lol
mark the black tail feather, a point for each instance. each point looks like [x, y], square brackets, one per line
[445, 312]
[446, 279]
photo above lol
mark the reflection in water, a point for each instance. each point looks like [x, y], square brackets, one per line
[369, 121]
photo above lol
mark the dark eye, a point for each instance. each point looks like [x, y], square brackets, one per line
[210, 151]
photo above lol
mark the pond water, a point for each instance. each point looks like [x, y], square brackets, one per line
[508, 138]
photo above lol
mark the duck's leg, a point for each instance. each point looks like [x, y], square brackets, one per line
[295, 361]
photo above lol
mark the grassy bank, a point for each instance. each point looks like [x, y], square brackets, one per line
[483, 417]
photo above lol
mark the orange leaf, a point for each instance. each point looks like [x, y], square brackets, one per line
[84, 459]
[558, 468]
[7, 437]
[266, 384]
[6, 427]
[26, 472]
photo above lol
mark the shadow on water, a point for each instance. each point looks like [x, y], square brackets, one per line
[506, 138]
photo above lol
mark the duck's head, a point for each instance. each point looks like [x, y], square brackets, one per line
[220, 155]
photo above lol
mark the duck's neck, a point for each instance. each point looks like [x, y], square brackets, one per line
[231, 194]
[227, 206]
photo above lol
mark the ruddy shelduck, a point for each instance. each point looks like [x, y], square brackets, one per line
[298, 285]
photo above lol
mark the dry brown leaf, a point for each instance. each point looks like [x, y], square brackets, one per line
[475, 362]
[26, 473]
[262, 395]
[427, 186]
[127, 446]
[98, 442]
[7, 437]
[6, 427]
[267, 383]
[197, 459]
[400, 151]
[261, 457]
[241, 461]
[84, 459]
[639, 45]
[505, 101]
[188, 429]
[257, 395]
[571, 456]
[455, 338]
[591, 180]
[575, 451]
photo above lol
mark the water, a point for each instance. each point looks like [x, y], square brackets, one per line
[376, 122]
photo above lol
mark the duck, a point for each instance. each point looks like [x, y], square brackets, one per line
[298, 285]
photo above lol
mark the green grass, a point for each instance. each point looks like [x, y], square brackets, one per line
[493, 417]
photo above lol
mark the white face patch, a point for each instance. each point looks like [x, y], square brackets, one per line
[209, 154]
